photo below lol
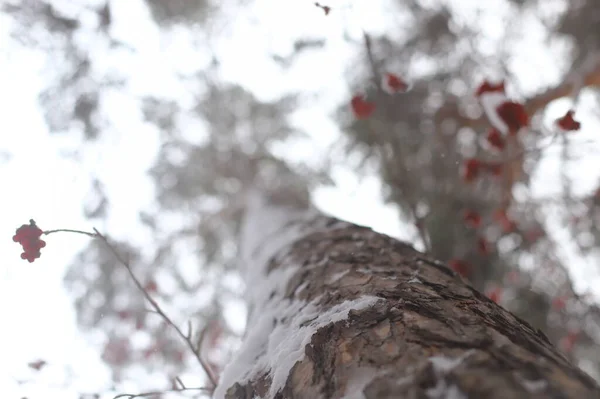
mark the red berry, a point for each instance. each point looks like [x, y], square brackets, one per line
[568, 342]
[514, 115]
[495, 139]
[471, 168]
[495, 168]
[472, 218]
[151, 286]
[559, 303]
[362, 109]
[393, 84]
[487, 87]
[505, 222]
[495, 294]
[567, 122]
[483, 246]
[460, 266]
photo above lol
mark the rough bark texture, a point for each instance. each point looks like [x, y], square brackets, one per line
[430, 335]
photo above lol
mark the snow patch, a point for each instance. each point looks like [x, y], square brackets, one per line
[267, 231]
[444, 391]
[534, 386]
[405, 380]
[358, 381]
[490, 102]
[277, 339]
[336, 276]
[442, 365]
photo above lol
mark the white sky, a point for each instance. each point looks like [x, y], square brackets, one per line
[39, 183]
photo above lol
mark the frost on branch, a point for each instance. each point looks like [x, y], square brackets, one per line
[276, 340]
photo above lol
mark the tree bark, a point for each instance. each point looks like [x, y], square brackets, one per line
[340, 311]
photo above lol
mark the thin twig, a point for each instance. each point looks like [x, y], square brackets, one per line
[152, 393]
[188, 335]
[375, 77]
[201, 337]
[159, 310]
[70, 231]
[181, 384]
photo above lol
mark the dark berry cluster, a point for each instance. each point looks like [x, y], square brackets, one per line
[28, 235]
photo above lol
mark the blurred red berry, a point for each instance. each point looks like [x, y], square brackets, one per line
[567, 122]
[117, 351]
[514, 115]
[568, 342]
[471, 169]
[362, 108]
[124, 314]
[495, 294]
[140, 323]
[513, 277]
[559, 302]
[495, 139]
[533, 235]
[393, 84]
[508, 226]
[472, 218]
[460, 266]
[178, 356]
[149, 352]
[28, 235]
[483, 246]
[151, 286]
[487, 87]
[495, 168]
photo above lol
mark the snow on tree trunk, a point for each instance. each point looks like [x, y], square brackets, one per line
[340, 311]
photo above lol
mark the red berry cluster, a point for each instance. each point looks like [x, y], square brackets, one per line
[28, 235]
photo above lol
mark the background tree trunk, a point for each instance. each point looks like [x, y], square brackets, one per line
[340, 311]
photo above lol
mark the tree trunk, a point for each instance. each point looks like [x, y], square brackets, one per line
[340, 311]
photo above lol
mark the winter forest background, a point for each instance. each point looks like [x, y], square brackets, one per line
[148, 118]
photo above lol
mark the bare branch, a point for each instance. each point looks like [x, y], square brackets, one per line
[588, 75]
[155, 393]
[159, 310]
